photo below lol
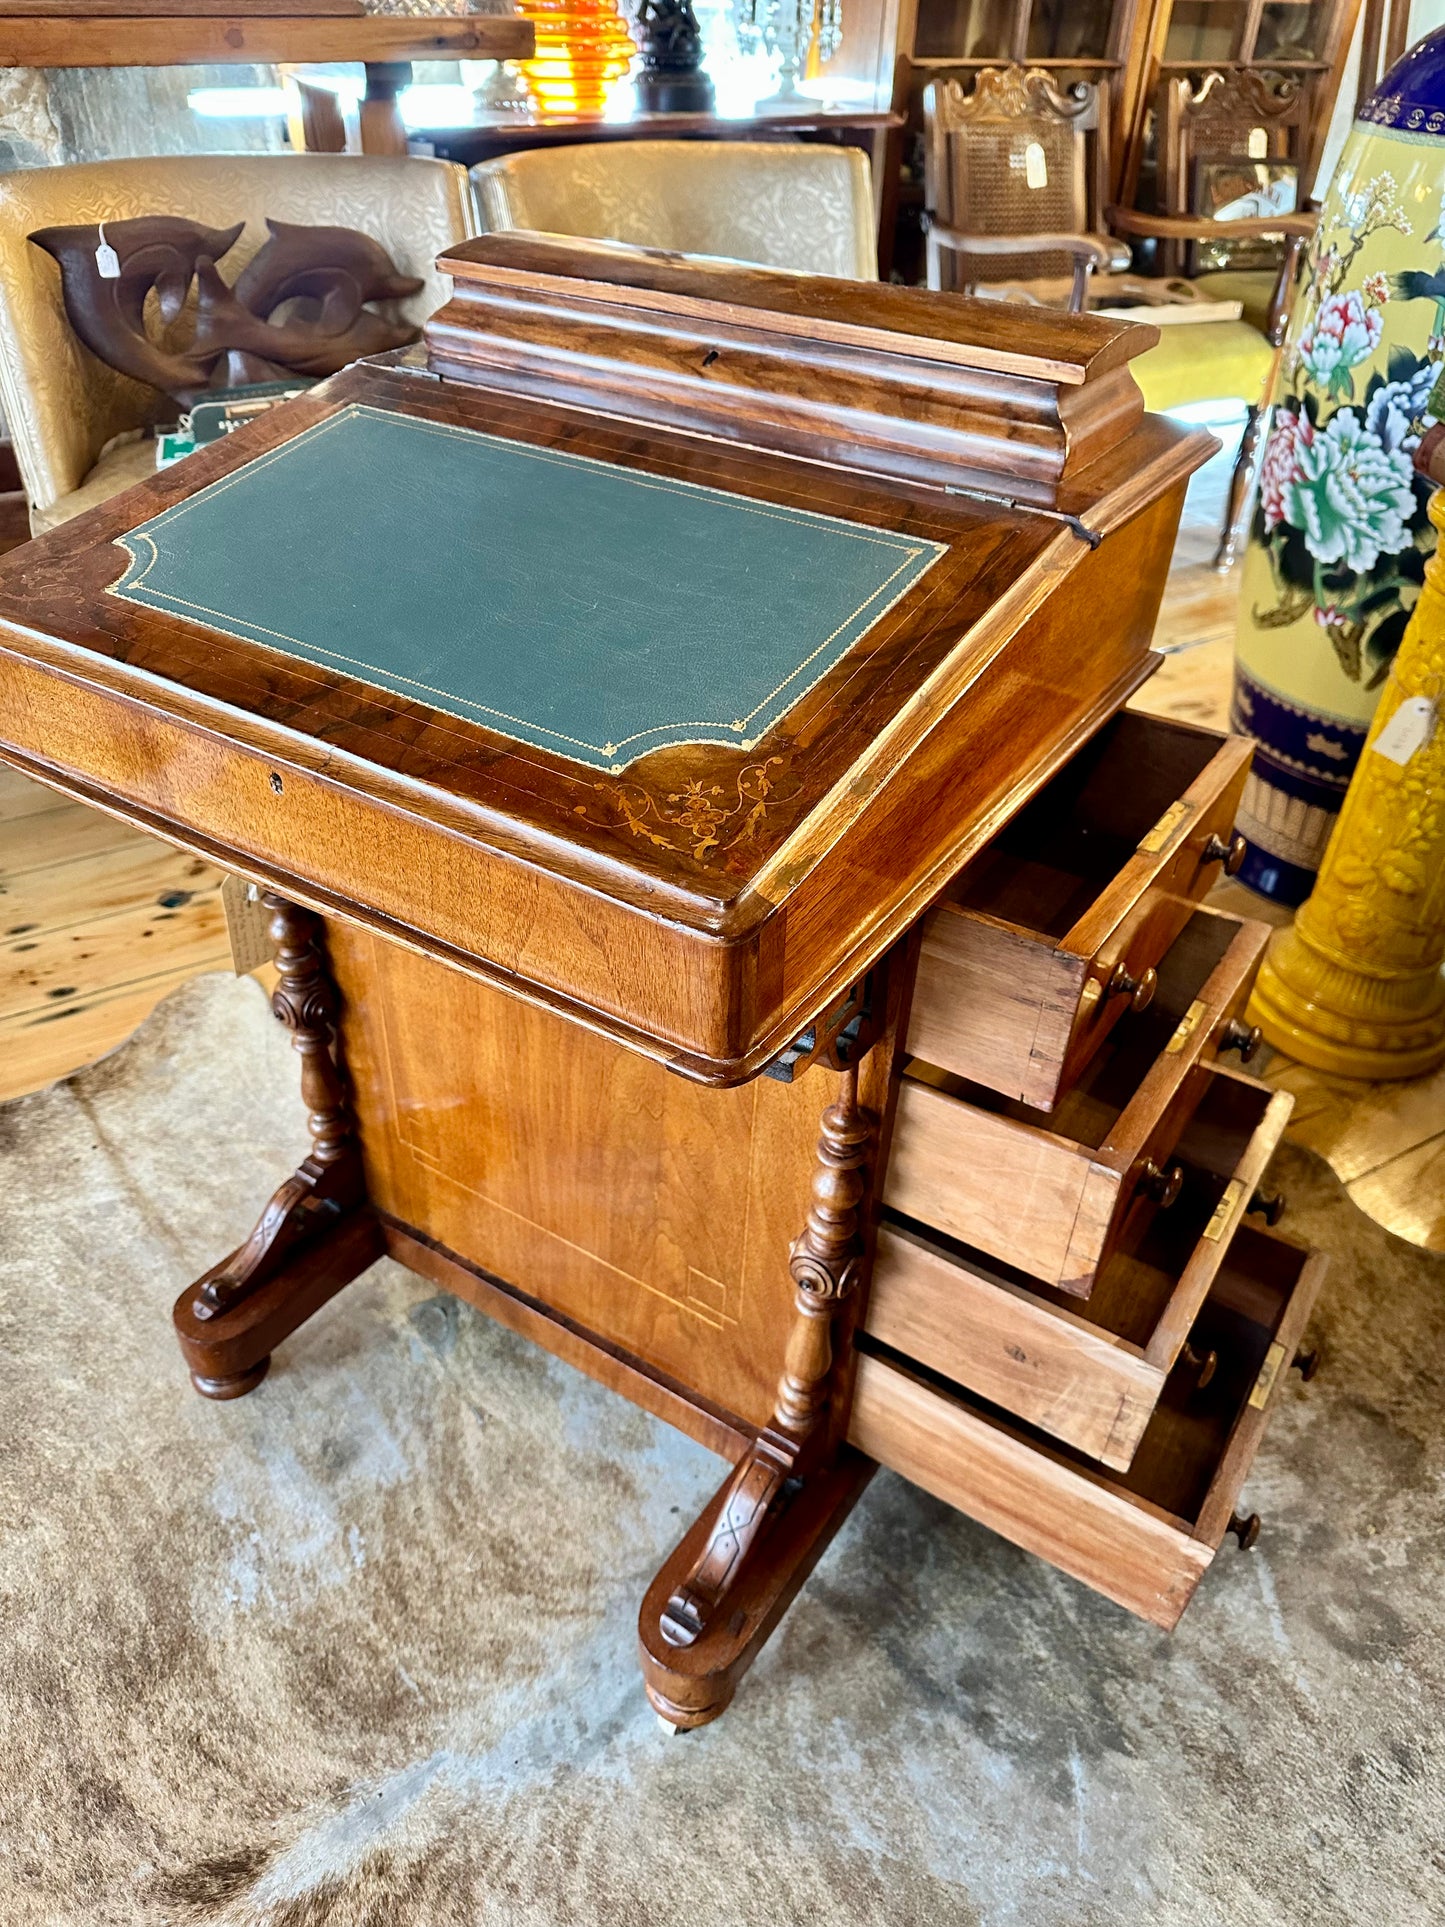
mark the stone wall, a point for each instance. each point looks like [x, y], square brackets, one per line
[104, 113]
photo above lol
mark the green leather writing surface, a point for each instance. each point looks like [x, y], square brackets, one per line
[594, 611]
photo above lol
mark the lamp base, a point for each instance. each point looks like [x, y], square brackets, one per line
[674, 93]
[1346, 1021]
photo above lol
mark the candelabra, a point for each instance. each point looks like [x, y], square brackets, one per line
[785, 30]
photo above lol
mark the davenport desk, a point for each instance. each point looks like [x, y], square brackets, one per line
[731, 931]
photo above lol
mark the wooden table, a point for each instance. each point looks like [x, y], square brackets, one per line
[206, 35]
[687, 892]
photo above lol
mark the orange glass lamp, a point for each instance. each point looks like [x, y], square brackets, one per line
[583, 47]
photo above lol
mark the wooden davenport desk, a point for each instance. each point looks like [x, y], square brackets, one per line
[730, 932]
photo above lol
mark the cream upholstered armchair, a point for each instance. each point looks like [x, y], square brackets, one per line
[777, 204]
[63, 405]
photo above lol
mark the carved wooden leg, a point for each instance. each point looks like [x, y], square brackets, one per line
[726, 1586]
[315, 1233]
[1240, 482]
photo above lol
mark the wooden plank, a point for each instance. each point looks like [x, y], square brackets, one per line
[64, 896]
[40, 1047]
[994, 1003]
[610, 1366]
[1067, 1376]
[985, 1180]
[67, 833]
[1126, 1550]
[45, 968]
[22, 796]
[82, 10]
[71, 41]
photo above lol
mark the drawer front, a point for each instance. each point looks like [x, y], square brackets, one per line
[1049, 1194]
[1144, 1541]
[1021, 1007]
[1089, 1374]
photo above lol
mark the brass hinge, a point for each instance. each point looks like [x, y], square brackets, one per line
[1224, 1210]
[1168, 823]
[1186, 1027]
[1269, 1371]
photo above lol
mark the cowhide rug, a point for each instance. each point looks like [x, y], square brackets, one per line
[358, 1650]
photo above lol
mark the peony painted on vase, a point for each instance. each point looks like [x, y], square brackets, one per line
[1339, 537]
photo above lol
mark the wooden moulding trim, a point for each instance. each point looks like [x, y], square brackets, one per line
[477, 317]
[987, 824]
[161, 41]
[927, 709]
[1050, 1366]
[328, 903]
[794, 305]
[1249, 1427]
[870, 441]
[1135, 1554]
[654, 1391]
[1205, 1260]
[1103, 917]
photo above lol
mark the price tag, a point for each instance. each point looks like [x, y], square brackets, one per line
[1258, 144]
[1036, 167]
[248, 925]
[107, 261]
[1408, 730]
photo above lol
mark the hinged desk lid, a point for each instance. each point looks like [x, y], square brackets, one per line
[672, 732]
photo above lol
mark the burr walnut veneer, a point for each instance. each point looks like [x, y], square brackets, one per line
[645, 1055]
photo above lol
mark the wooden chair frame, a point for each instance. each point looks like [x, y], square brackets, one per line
[1017, 96]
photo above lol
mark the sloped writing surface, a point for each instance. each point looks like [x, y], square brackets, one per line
[595, 611]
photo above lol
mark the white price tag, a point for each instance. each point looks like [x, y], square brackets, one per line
[107, 261]
[1036, 166]
[1408, 730]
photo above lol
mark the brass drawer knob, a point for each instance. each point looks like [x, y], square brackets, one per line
[1162, 1186]
[1245, 1527]
[1205, 1365]
[1306, 1363]
[1268, 1205]
[1245, 1038]
[1230, 854]
[1139, 990]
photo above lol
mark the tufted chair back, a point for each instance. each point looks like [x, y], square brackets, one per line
[61, 403]
[774, 203]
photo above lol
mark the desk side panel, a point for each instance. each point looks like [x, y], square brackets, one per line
[654, 1212]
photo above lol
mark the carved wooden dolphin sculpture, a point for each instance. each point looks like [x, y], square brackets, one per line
[156, 251]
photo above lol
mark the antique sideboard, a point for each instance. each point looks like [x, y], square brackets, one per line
[849, 1077]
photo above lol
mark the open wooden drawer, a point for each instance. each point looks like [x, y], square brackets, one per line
[1050, 935]
[1144, 1539]
[1090, 1375]
[1049, 1193]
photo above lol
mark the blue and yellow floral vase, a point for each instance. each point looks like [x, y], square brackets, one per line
[1339, 538]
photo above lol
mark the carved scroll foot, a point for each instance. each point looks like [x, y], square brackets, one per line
[236, 1386]
[725, 1587]
[227, 1354]
[690, 1685]
[316, 1225]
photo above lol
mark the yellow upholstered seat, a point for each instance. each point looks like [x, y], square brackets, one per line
[62, 404]
[1200, 361]
[1254, 287]
[778, 204]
